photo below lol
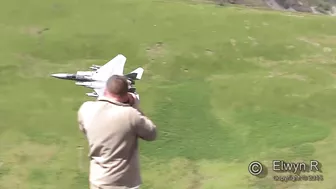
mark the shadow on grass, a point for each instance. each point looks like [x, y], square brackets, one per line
[187, 128]
[186, 125]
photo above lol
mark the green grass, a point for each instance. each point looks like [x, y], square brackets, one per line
[225, 86]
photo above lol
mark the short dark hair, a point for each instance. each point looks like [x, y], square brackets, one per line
[117, 85]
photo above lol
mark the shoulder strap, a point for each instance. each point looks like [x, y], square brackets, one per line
[118, 104]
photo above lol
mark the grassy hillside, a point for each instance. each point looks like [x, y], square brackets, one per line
[225, 86]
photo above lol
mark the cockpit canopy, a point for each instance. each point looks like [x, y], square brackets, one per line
[84, 74]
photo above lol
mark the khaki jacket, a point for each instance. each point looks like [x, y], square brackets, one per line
[112, 130]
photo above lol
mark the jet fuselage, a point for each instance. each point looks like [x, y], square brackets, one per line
[96, 78]
[73, 77]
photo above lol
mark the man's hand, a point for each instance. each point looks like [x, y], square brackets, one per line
[133, 100]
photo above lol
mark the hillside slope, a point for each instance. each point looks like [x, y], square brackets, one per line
[309, 6]
[225, 86]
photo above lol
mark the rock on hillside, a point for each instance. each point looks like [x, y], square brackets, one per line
[311, 6]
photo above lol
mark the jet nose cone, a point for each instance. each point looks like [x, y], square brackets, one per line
[59, 75]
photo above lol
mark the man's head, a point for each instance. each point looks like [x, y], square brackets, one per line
[117, 88]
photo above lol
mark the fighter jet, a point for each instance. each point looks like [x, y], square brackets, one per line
[96, 79]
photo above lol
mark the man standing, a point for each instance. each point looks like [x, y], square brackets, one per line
[112, 126]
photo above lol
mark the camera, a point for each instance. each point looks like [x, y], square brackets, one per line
[131, 86]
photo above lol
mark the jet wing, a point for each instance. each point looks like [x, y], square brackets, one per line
[99, 92]
[135, 74]
[113, 67]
